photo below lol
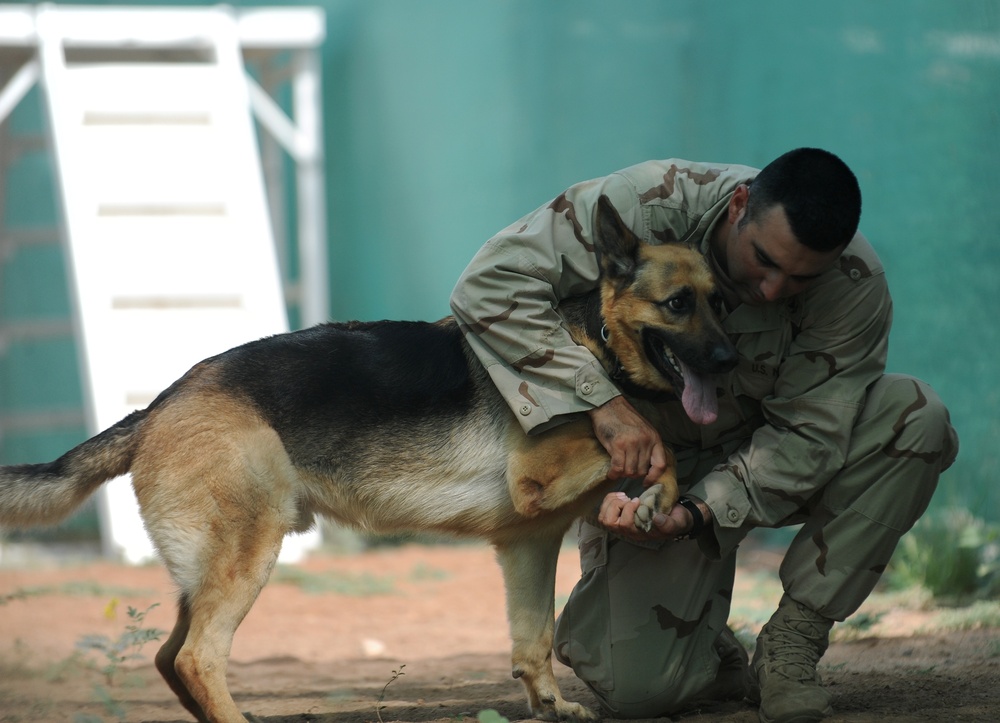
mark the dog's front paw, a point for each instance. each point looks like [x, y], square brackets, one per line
[567, 712]
[649, 505]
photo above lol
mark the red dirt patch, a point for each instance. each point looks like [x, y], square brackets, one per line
[327, 655]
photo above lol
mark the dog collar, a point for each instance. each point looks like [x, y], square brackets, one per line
[617, 371]
[621, 378]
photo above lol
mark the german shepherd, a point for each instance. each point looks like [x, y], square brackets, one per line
[386, 426]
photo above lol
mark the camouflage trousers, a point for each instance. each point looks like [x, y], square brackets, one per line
[640, 624]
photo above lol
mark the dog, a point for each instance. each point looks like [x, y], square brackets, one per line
[386, 426]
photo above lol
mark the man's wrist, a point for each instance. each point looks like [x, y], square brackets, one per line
[698, 518]
[706, 511]
[609, 403]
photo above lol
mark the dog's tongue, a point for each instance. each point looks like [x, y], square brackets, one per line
[699, 400]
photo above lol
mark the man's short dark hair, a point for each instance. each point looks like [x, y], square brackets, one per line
[819, 193]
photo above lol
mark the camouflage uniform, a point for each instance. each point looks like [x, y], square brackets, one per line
[810, 429]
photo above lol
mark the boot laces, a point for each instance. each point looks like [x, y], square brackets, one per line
[797, 647]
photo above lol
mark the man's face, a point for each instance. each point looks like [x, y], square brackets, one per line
[762, 260]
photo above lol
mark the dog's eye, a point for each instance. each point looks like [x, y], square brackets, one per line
[679, 303]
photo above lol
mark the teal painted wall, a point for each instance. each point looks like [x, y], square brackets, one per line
[448, 119]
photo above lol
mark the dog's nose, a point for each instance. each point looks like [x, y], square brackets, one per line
[724, 357]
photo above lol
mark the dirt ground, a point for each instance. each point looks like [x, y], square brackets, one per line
[418, 633]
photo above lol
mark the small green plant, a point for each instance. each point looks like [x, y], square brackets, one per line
[954, 555]
[128, 646]
[396, 674]
[115, 653]
[491, 716]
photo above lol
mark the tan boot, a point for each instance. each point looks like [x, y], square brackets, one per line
[785, 682]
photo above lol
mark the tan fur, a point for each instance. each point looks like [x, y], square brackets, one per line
[218, 490]
[218, 493]
[626, 313]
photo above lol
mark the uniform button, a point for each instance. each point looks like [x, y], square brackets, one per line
[733, 515]
[855, 274]
[586, 387]
[525, 410]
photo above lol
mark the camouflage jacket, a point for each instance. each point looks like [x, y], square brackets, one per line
[789, 407]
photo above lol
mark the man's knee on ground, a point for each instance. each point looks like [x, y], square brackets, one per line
[663, 690]
[636, 703]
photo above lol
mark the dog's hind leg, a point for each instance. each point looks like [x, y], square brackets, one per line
[209, 616]
[220, 563]
[167, 656]
[529, 571]
[218, 493]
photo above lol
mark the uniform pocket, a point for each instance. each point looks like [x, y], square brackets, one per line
[755, 378]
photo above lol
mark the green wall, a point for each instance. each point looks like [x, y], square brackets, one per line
[448, 119]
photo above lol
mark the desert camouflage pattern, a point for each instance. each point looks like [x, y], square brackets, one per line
[640, 623]
[810, 429]
[507, 296]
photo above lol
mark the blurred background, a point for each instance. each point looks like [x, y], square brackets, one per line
[446, 120]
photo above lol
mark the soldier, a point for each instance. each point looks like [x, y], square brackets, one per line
[809, 428]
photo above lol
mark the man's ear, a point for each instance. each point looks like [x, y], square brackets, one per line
[618, 246]
[738, 204]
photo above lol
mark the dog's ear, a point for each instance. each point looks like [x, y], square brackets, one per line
[618, 246]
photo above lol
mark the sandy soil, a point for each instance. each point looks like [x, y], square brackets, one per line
[326, 637]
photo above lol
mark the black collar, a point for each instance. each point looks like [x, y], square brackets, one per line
[598, 331]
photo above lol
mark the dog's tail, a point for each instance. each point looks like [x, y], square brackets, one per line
[44, 494]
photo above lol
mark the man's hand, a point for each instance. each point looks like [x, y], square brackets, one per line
[617, 514]
[634, 445]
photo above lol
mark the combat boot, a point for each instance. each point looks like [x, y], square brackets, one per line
[784, 680]
[733, 679]
[732, 682]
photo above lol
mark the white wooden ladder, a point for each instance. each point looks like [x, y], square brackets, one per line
[170, 244]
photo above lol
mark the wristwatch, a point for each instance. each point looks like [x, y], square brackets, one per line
[698, 519]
